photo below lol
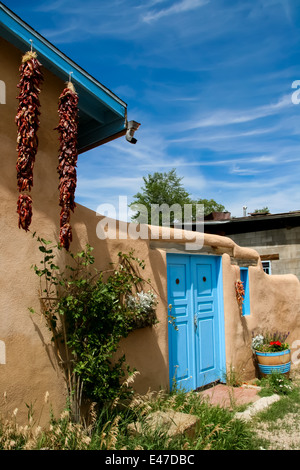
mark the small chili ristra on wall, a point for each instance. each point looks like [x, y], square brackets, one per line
[27, 120]
[68, 155]
[240, 294]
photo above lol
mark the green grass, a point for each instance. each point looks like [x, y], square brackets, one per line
[277, 383]
[288, 403]
[217, 428]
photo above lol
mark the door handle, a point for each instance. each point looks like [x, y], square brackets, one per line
[195, 322]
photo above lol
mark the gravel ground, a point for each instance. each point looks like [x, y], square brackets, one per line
[283, 434]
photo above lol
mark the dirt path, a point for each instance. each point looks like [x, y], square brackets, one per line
[283, 434]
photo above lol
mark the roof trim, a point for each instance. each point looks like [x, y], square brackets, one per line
[104, 141]
[42, 46]
[252, 218]
[96, 100]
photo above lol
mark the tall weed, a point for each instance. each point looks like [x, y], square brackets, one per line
[109, 428]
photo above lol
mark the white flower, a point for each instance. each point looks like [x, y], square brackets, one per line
[143, 301]
[257, 341]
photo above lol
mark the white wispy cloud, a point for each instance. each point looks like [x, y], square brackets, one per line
[120, 182]
[209, 81]
[215, 136]
[176, 8]
[226, 117]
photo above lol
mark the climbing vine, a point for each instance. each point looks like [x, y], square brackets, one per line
[88, 312]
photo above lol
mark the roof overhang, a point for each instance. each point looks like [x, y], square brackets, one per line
[245, 224]
[102, 115]
[253, 223]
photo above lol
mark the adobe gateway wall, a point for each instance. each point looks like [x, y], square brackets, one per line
[274, 300]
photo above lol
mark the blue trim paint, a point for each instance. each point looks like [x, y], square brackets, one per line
[281, 368]
[100, 109]
[220, 292]
[57, 58]
[244, 274]
[278, 353]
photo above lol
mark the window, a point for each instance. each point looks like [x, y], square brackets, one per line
[245, 280]
[266, 266]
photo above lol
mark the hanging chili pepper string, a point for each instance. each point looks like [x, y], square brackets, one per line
[68, 155]
[24, 209]
[27, 120]
[240, 294]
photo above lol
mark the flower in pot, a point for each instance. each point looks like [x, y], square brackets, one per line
[272, 352]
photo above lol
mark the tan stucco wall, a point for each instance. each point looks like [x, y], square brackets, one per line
[30, 369]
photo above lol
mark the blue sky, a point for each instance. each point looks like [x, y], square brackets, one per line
[210, 81]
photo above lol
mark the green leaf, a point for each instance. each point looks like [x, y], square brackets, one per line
[90, 305]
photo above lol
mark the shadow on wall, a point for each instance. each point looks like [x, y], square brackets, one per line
[144, 354]
[145, 349]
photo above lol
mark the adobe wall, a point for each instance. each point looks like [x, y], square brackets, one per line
[28, 365]
[30, 368]
[274, 301]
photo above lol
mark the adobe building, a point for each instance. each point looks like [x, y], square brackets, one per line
[195, 273]
[276, 237]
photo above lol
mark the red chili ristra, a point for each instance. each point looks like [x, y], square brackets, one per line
[27, 120]
[68, 155]
[24, 209]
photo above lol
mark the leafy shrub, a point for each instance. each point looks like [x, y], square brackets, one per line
[276, 383]
[89, 312]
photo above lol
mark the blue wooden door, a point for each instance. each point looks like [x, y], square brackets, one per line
[196, 342]
[181, 347]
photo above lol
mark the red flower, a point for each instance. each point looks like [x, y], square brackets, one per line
[275, 343]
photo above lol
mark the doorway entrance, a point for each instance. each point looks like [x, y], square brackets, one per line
[196, 326]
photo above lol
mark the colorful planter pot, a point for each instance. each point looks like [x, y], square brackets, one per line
[269, 362]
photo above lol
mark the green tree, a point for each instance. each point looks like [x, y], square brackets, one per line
[160, 189]
[210, 205]
[166, 191]
[263, 210]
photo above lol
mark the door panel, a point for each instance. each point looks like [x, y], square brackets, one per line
[203, 278]
[206, 345]
[204, 275]
[182, 353]
[194, 352]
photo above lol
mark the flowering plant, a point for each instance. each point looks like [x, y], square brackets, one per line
[142, 301]
[270, 342]
[142, 306]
